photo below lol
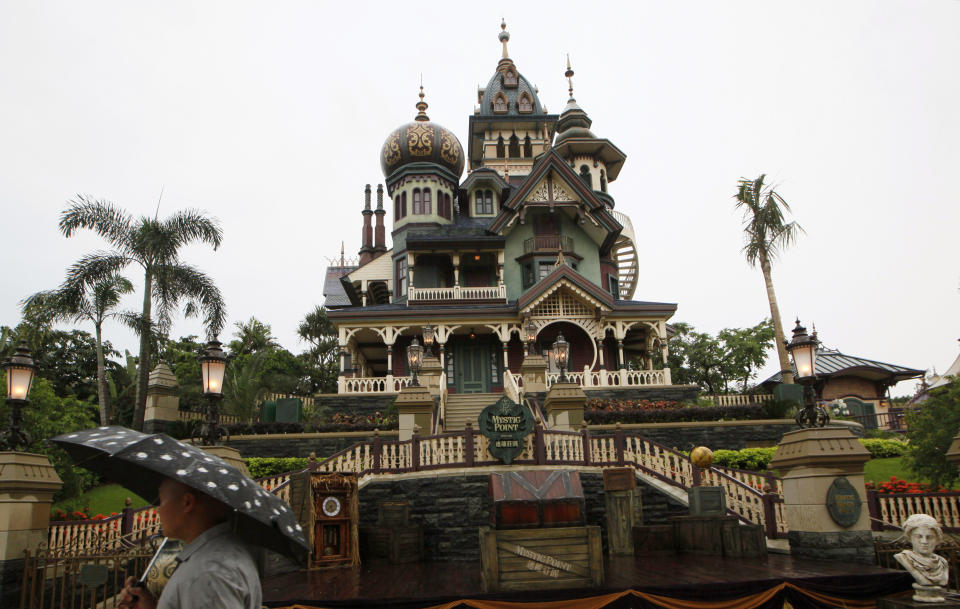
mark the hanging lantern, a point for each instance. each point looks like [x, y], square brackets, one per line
[213, 366]
[20, 369]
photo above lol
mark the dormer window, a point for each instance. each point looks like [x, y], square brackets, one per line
[483, 203]
[500, 103]
[586, 177]
[525, 105]
[501, 149]
[510, 78]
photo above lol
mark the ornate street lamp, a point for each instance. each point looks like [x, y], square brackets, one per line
[561, 354]
[531, 330]
[213, 366]
[414, 359]
[803, 349]
[20, 369]
[429, 336]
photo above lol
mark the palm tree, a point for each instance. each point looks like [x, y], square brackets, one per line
[245, 387]
[767, 234]
[153, 245]
[252, 336]
[95, 304]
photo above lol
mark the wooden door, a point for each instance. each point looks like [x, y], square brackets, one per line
[473, 367]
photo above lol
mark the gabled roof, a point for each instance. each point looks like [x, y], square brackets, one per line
[559, 276]
[833, 363]
[333, 291]
[545, 163]
[483, 174]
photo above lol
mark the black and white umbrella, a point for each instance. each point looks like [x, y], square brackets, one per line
[140, 461]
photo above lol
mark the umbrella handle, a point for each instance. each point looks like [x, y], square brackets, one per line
[142, 582]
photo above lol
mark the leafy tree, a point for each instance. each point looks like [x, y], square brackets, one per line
[182, 357]
[930, 431]
[766, 234]
[244, 387]
[154, 245]
[95, 305]
[252, 336]
[322, 357]
[716, 362]
[745, 351]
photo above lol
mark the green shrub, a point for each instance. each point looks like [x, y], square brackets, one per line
[883, 448]
[261, 467]
[780, 409]
[753, 459]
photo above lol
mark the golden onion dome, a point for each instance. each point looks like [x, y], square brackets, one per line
[421, 141]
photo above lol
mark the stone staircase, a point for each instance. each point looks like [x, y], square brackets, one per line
[463, 407]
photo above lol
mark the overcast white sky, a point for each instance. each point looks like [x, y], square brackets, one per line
[270, 116]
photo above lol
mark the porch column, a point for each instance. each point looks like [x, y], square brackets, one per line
[620, 351]
[500, 267]
[600, 348]
[456, 269]
[443, 355]
[506, 360]
[363, 291]
[389, 364]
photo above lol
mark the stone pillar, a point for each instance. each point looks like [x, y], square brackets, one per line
[163, 401]
[824, 494]
[564, 406]
[429, 376]
[533, 369]
[230, 455]
[415, 407]
[27, 485]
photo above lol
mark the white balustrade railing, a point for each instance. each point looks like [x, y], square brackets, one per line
[595, 379]
[458, 292]
[511, 388]
[373, 384]
[739, 400]
[896, 508]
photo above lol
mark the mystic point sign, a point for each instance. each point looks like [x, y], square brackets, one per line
[505, 424]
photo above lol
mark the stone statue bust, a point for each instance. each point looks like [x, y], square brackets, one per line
[930, 571]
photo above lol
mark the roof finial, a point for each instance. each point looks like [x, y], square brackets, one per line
[421, 105]
[342, 261]
[569, 75]
[504, 37]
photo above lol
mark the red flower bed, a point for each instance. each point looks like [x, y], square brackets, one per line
[81, 514]
[622, 405]
[896, 485]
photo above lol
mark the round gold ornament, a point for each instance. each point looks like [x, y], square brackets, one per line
[701, 456]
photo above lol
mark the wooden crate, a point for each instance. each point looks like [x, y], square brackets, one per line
[541, 559]
[530, 499]
[398, 544]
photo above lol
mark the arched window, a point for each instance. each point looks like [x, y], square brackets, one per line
[585, 176]
[514, 147]
[510, 78]
[603, 181]
[403, 204]
[500, 103]
[500, 149]
[443, 201]
[427, 202]
[527, 147]
[417, 202]
[524, 105]
[396, 207]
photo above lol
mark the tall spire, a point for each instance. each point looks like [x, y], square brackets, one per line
[569, 75]
[421, 105]
[504, 37]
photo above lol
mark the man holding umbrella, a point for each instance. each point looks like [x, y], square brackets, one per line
[204, 502]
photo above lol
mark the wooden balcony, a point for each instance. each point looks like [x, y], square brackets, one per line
[495, 293]
[548, 243]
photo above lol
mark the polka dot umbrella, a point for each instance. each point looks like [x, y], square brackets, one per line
[140, 461]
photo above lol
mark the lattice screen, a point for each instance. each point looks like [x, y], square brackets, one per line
[562, 304]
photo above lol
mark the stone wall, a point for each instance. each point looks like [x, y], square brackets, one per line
[452, 508]
[301, 444]
[676, 393]
[846, 546]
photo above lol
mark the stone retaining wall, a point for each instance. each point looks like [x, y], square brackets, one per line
[452, 508]
[301, 444]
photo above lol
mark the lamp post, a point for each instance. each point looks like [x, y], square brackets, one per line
[531, 335]
[429, 336]
[20, 369]
[561, 353]
[414, 359]
[803, 349]
[213, 366]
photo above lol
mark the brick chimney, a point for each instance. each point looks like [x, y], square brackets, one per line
[366, 249]
[379, 244]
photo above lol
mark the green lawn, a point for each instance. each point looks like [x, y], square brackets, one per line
[880, 470]
[104, 500]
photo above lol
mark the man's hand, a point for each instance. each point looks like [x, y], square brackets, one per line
[135, 597]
